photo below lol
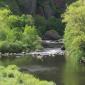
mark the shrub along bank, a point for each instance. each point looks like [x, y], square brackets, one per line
[74, 37]
[11, 76]
[17, 33]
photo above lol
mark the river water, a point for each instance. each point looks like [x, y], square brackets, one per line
[51, 68]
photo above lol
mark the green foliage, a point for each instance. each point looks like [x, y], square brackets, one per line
[12, 47]
[17, 32]
[20, 21]
[3, 34]
[56, 24]
[52, 23]
[41, 24]
[31, 38]
[10, 75]
[4, 13]
[4, 46]
[70, 1]
[75, 31]
[16, 47]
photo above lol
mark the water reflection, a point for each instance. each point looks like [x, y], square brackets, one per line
[74, 74]
[51, 69]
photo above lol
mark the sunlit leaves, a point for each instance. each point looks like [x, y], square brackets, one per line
[17, 33]
[75, 30]
[10, 75]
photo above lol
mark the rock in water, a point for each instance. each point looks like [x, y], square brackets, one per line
[51, 35]
[63, 47]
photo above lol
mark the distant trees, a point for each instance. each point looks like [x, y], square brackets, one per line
[52, 23]
[30, 38]
[74, 37]
[70, 1]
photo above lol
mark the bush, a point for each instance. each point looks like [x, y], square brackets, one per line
[14, 30]
[11, 47]
[41, 24]
[16, 47]
[75, 31]
[56, 24]
[30, 38]
[5, 31]
[10, 75]
[3, 34]
[69, 1]
[4, 46]
[20, 21]
[44, 25]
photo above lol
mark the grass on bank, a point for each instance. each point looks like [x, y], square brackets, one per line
[12, 76]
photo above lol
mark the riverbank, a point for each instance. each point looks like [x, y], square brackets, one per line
[11, 75]
[50, 48]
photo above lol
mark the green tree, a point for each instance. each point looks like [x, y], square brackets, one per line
[41, 24]
[75, 31]
[56, 24]
[30, 38]
[17, 30]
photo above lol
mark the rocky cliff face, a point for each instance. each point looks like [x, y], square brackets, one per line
[46, 8]
[51, 7]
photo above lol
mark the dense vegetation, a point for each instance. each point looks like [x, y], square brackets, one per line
[10, 75]
[17, 33]
[21, 29]
[23, 25]
[46, 14]
[75, 31]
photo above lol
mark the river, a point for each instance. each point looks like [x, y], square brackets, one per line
[51, 68]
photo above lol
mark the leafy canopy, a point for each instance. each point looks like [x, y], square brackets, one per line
[75, 31]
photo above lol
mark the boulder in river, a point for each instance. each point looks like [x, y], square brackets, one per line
[63, 47]
[51, 35]
[82, 60]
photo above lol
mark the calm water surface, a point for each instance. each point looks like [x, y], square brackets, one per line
[51, 69]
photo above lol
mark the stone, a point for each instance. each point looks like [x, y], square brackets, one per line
[51, 35]
[63, 47]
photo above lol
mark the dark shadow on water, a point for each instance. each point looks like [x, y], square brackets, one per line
[51, 69]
